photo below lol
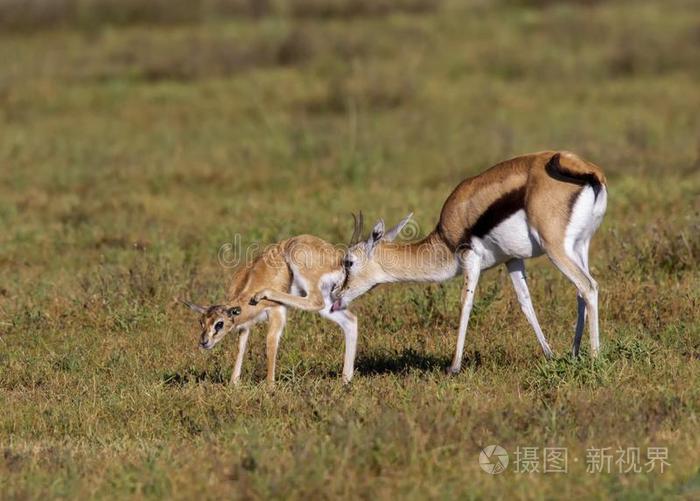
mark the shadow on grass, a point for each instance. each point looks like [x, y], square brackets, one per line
[376, 363]
[392, 362]
[182, 377]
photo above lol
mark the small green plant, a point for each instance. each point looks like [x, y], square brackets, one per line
[566, 371]
[430, 305]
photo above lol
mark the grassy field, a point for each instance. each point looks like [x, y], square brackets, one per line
[135, 142]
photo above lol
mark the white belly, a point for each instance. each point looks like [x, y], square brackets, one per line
[512, 238]
[261, 317]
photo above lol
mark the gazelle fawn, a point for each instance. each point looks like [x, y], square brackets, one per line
[300, 273]
[547, 202]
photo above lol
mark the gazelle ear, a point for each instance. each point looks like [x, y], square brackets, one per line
[375, 236]
[394, 232]
[233, 311]
[194, 307]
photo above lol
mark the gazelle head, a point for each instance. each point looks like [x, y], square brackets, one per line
[362, 262]
[216, 321]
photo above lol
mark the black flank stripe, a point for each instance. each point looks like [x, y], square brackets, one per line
[496, 213]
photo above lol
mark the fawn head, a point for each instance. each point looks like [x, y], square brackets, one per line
[216, 321]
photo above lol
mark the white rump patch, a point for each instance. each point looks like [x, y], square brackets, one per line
[586, 215]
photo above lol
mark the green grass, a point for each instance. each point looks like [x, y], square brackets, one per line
[133, 148]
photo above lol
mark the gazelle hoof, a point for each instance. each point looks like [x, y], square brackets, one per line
[452, 371]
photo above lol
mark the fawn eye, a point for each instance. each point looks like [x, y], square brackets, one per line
[218, 325]
[348, 264]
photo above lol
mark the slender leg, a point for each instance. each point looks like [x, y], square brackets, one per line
[242, 344]
[313, 302]
[348, 322]
[516, 268]
[472, 270]
[278, 318]
[587, 288]
[580, 323]
[582, 254]
[592, 306]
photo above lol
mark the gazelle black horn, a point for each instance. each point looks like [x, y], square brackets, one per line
[357, 231]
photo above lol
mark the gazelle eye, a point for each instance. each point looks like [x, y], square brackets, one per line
[348, 264]
[218, 325]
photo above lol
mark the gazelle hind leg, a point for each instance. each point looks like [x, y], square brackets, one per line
[516, 269]
[312, 302]
[580, 323]
[587, 288]
[348, 323]
[582, 254]
[472, 270]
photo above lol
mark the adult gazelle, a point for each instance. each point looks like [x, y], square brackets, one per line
[542, 203]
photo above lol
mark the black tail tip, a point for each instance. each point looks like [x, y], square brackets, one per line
[564, 173]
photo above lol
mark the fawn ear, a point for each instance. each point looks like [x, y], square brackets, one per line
[233, 311]
[194, 307]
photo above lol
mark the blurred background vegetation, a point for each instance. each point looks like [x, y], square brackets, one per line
[137, 137]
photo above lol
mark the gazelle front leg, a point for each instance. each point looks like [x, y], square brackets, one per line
[471, 263]
[277, 318]
[516, 269]
[348, 322]
[242, 344]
